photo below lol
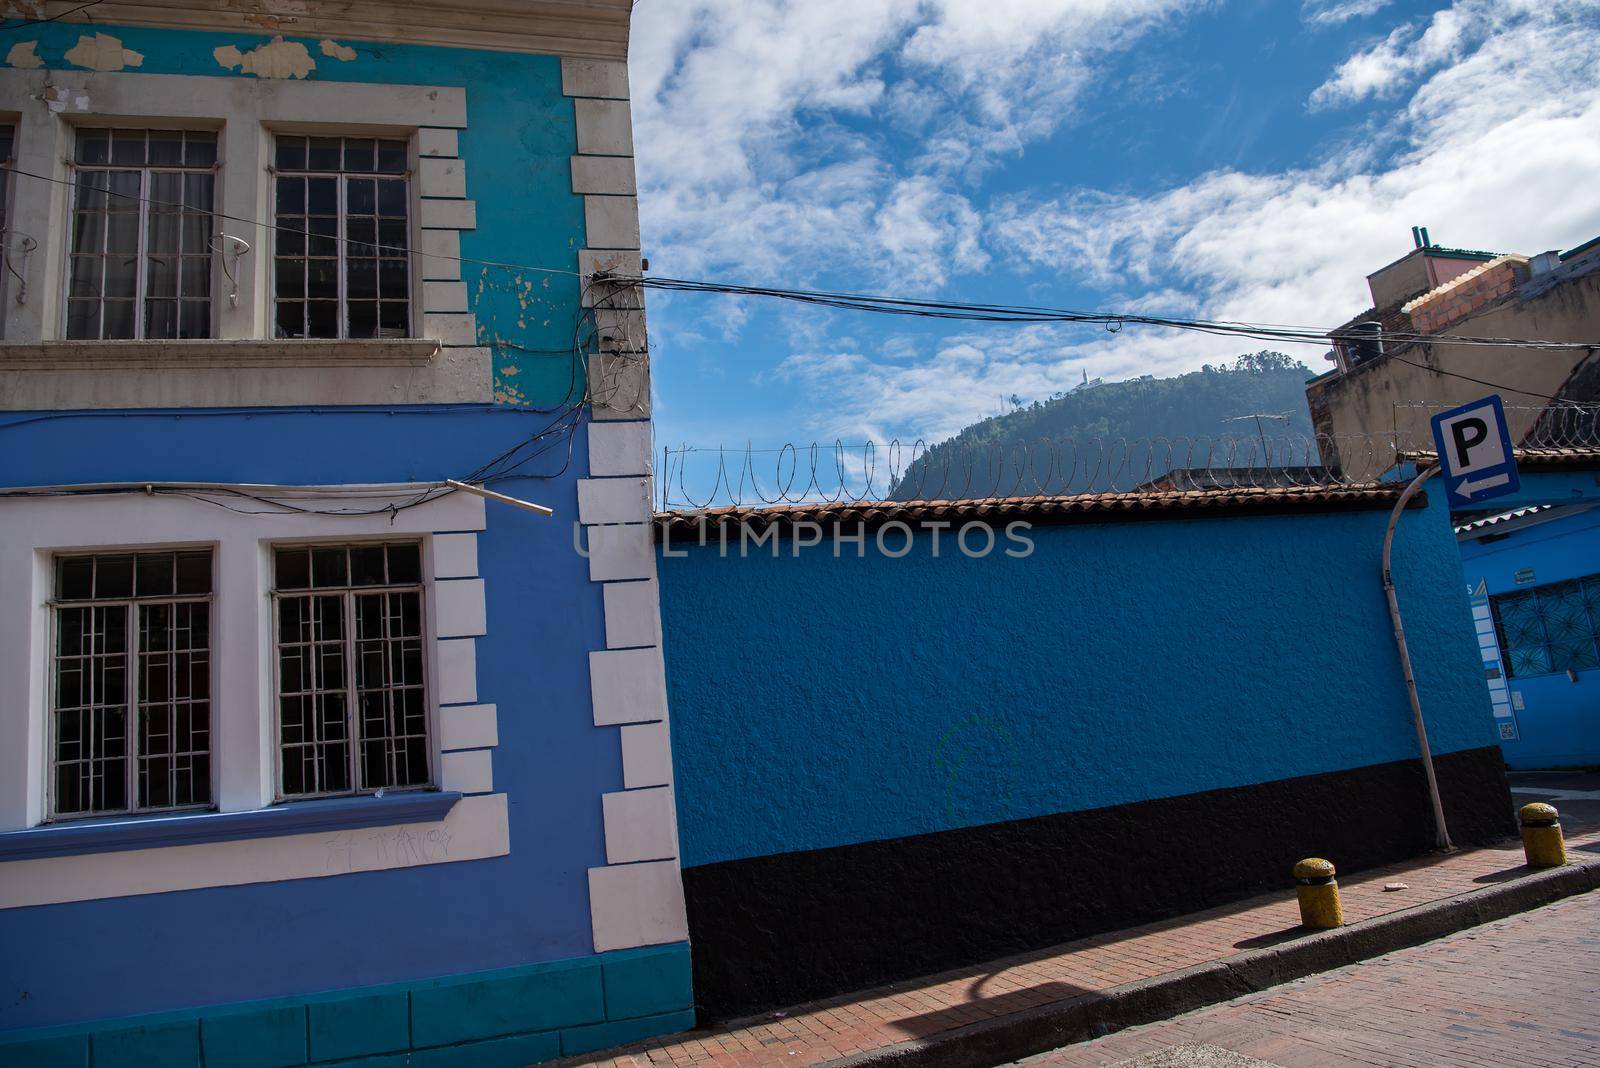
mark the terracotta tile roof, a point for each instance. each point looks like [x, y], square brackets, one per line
[1529, 456]
[1088, 505]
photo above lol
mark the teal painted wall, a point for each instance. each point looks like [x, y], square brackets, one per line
[820, 702]
[499, 1019]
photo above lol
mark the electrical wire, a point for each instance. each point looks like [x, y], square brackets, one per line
[962, 311]
[1480, 381]
[53, 18]
[291, 230]
[1026, 314]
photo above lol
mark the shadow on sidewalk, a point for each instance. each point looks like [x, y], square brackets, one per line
[978, 1007]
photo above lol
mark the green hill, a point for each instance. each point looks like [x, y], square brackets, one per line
[1061, 445]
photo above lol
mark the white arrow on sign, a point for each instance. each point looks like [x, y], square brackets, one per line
[1468, 487]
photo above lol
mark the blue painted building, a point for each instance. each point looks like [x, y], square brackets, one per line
[972, 729]
[1532, 569]
[306, 754]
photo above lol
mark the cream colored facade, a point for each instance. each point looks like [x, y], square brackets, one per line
[1366, 410]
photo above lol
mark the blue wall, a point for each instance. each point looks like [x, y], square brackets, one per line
[1559, 724]
[260, 941]
[176, 951]
[876, 698]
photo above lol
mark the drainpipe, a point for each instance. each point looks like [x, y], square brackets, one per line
[1441, 835]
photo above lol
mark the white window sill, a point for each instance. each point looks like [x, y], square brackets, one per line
[117, 833]
[215, 353]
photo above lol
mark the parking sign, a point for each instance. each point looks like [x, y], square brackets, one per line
[1475, 455]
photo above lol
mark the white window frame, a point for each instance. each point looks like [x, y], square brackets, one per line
[423, 587]
[131, 696]
[414, 261]
[141, 265]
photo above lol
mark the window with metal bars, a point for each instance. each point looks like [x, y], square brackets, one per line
[141, 234]
[131, 693]
[352, 697]
[341, 265]
[1550, 629]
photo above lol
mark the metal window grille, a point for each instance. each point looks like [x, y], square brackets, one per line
[352, 696]
[131, 682]
[141, 234]
[341, 265]
[1550, 629]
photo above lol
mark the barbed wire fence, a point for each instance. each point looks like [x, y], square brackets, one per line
[690, 478]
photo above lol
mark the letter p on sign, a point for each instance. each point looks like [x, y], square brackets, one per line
[1475, 455]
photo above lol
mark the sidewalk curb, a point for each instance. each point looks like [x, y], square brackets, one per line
[1038, 1030]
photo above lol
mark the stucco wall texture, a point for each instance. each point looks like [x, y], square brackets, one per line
[820, 702]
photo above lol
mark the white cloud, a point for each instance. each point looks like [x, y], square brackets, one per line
[1500, 148]
[754, 112]
[1336, 12]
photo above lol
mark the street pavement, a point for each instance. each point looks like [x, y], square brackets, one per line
[1576, 795]
[1521, 991]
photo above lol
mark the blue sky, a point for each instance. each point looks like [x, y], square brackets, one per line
[1241, 159]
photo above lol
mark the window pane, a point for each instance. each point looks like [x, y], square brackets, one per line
[83, 319]
[392, 199]
[117, 319]
[194, 319]
[361, 196]
[359, 154]
[74, 577]
[366, 565]
[193, 572]
[328, 567]
[89, 233]
[153, 575]
[394, 319]
[323, 154]
[161, 276]
[166, 148]
[405, 564]
[291, 196]
[127, 146]
[292, 569]
[113, 576]
[160, 318]
[200, 148]
[291, 154]
[291, 320]
[392, 157]
[94, 146]
[363, 318]
[322, 318]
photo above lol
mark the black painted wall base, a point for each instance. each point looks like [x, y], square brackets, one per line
[777, 930]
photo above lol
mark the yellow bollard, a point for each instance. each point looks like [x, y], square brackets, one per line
[1541, 836]
[1318, 892]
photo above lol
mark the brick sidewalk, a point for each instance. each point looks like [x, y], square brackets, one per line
[869, 1020]
[1516, 991]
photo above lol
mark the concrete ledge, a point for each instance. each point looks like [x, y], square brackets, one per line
[1095, 1015]
[213, 352]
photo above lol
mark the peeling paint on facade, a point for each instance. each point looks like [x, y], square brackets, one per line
[335, 50]
[104, 53]
[275, 59]
[23, 56]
